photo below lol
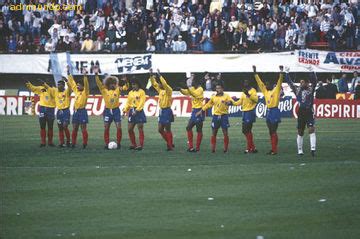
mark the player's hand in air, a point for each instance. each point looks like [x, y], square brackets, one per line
[84, 71]
[95, 69]
[287, 69]
[245, 91]
[254, 69]
[281, 67]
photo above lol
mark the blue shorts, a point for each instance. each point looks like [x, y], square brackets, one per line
[273, 115]
[220, 121]
[197, 119]
[111, 115]
[46, 112]
[63, 116]
[138, 118]
[249, 117]
[305, 118]
[80, 116]
[166, 116]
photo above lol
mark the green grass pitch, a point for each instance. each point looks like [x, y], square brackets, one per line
[93, 193]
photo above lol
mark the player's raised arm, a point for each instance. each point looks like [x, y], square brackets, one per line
[261, 85]
[98, 81]
[166, 86]
[280, 80]
[86, 82]
[126, 86]
[289, 81]
[313, 79]
[153, 81]
[50, 89]
[71, 82]
[184, 91]
[32, 88]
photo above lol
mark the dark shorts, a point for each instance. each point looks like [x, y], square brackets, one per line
[80, 116]
[273, 115]
[111, 115]
[305, 118]
[63, 116]
[46, 112]
[166, 116]
[138, 118]
[196, 119]
[220, 121]
[249, 117]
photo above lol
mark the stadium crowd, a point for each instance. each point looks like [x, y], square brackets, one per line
[168, 26]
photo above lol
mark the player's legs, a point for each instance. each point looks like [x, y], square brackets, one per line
[61, 134]
[199, 127]
[131, 133]
[50, 134]
[118, 134]
[226, 139]
[140, 127]
[169, 136]
[190, 136]
[246, 130]
[301, 122]
[74, 133]
[161, 130]
[213, 138]
[65, 126]
[312, 139]
[84, 134]
[42, 122]
[273, 136]
[107, 133]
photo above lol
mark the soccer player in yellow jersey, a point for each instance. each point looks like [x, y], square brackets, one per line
[62, 101]
[248, 101]
[111, 90]
[46, 112]
[136, 116]
[196, 92]
[166, 116]
[272, 99]
[80, 116]
[220, 102]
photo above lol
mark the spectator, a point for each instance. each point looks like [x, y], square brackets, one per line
[149, 46]
[50, 46]
[12, 45]
[107, 45]
[331, 90]
[98, 45]
[206, 44]
[160, 34]
[354, 82]
[169, 44]
[87, 45]
[174, 31]
[320, 91]
[268, 38]
[349, 35]
[357, 92]
[332, 36]
[301, 39]
[343, 86]
[208, 82]
[179, 45]
[189, 81]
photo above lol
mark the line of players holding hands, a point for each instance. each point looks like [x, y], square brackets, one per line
[111, 87]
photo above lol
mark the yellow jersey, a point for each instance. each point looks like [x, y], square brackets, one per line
[165, 95]
[248, 102]
[80, 96]
[136, 99]
[197, 96]
[272, 97]
[111, 97]
[62, 98]
[220, 103]
[46, 99]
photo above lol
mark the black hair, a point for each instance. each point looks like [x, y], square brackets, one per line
[62, 82]
[135, 81]
[219, 84]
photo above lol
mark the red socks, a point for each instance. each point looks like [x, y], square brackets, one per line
[141, 137]
[169, 137]
[85, 136]
[164, 136]
[67, 134]
[213, 143]
[274, 142]
[118, 136]
[198, 140]
[190, 139]
[50, 136]
[250, 141]
[43, 136]
[132, 138]
[73, 137]
[61, 136]
[226, 142]
[107, 135]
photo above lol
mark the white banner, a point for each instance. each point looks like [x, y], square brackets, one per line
[181, 63]
[323, 61]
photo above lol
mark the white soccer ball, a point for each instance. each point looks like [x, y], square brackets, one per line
[112, 145]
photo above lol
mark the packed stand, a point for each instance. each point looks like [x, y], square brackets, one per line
[185, 26]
